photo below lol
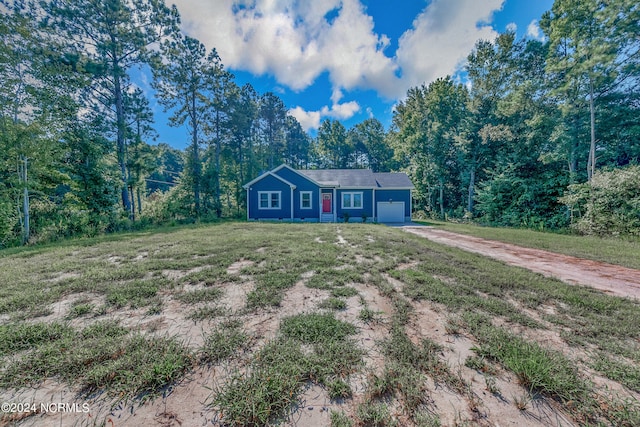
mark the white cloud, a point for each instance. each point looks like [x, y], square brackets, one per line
[512, 27]
[292, 40]
[296, 41]
[441, 38]
[311, 119]
[342, 111]
[534, 31]
[307, 119]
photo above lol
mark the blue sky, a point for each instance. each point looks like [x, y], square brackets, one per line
[345, 59]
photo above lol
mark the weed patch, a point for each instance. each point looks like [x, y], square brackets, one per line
[278, 373]
[375, 415]
[538, 369]
[224, 342]
[316, 328]
[207, 312]
[200, 295]
[134, 294]
[103, 356]
[333, 303]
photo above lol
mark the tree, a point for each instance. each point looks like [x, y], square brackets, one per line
[140, 160]
[334, 148]
[183, 85]
[116, 35]
[429, 122]
[370, 135]
[583, 54]
[217, 125]
[488, 67]
[297, 144]
[38, 89]
[243, 110]
[272, 118]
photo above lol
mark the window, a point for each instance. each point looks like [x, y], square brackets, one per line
[305, 199]
[269, 199]
[351, 200]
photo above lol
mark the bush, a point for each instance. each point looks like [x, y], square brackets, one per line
[608, 205]
[523, 197]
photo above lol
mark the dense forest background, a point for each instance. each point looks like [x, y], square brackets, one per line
[542, 134]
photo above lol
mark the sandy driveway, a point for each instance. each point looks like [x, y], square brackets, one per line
[612, 279]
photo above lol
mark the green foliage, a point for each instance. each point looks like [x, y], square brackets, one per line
[270, 387]
[223, 342]
[313, 328]
[537, 368]
[101, 357]
[521, 197]
[609, 204]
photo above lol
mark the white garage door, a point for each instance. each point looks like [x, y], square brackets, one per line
[390, 212]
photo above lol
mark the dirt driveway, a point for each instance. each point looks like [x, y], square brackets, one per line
[608, 278]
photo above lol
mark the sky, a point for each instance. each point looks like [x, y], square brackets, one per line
[345, 60]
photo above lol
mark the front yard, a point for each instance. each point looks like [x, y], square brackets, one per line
[305, 324]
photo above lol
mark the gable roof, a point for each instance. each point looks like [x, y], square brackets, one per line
[348, 178]
[264, 175]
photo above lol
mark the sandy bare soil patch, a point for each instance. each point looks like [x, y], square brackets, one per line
[612, 279]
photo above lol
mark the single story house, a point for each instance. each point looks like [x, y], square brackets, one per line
[326, 195]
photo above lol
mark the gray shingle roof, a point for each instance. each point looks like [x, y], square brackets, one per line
[393, 180]
[358, 178]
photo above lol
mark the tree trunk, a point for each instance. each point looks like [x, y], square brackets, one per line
[195, 156]
[121, 128]
[441, 199]
[591, 166]
[217, 159]
[139, 195]
[472, 185]
[132, 215]
[120, 138]
[25, 204]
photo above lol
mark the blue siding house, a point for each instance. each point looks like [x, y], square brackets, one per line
[326, 195]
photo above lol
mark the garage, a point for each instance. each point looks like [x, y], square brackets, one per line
[390, 211]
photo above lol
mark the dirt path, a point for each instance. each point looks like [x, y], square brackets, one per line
[608, 278]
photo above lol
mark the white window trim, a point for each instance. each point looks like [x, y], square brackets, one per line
[269, 193]
[352, 193]
[310, 193]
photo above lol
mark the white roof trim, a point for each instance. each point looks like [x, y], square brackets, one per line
[297, 172]
[264, 175]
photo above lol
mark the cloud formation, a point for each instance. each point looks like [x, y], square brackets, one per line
[311, 119]
[296, 41]
[534, 31]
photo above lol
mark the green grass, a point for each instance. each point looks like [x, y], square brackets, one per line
[225, 341]
[375, 415]
[484, 300]
[340, 419]
[80, 309]
[200, 295]
[344, 292]
[620, 251]
[103, 356]
[278, 373]
[333, 303]
[316, 327]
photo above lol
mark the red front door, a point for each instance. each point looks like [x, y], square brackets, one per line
[326, 203]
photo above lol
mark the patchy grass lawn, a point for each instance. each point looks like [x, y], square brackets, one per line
[250, 324]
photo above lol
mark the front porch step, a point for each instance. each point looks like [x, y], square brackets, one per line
[326, 218]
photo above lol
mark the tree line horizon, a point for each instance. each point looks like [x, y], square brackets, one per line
[545, 135]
